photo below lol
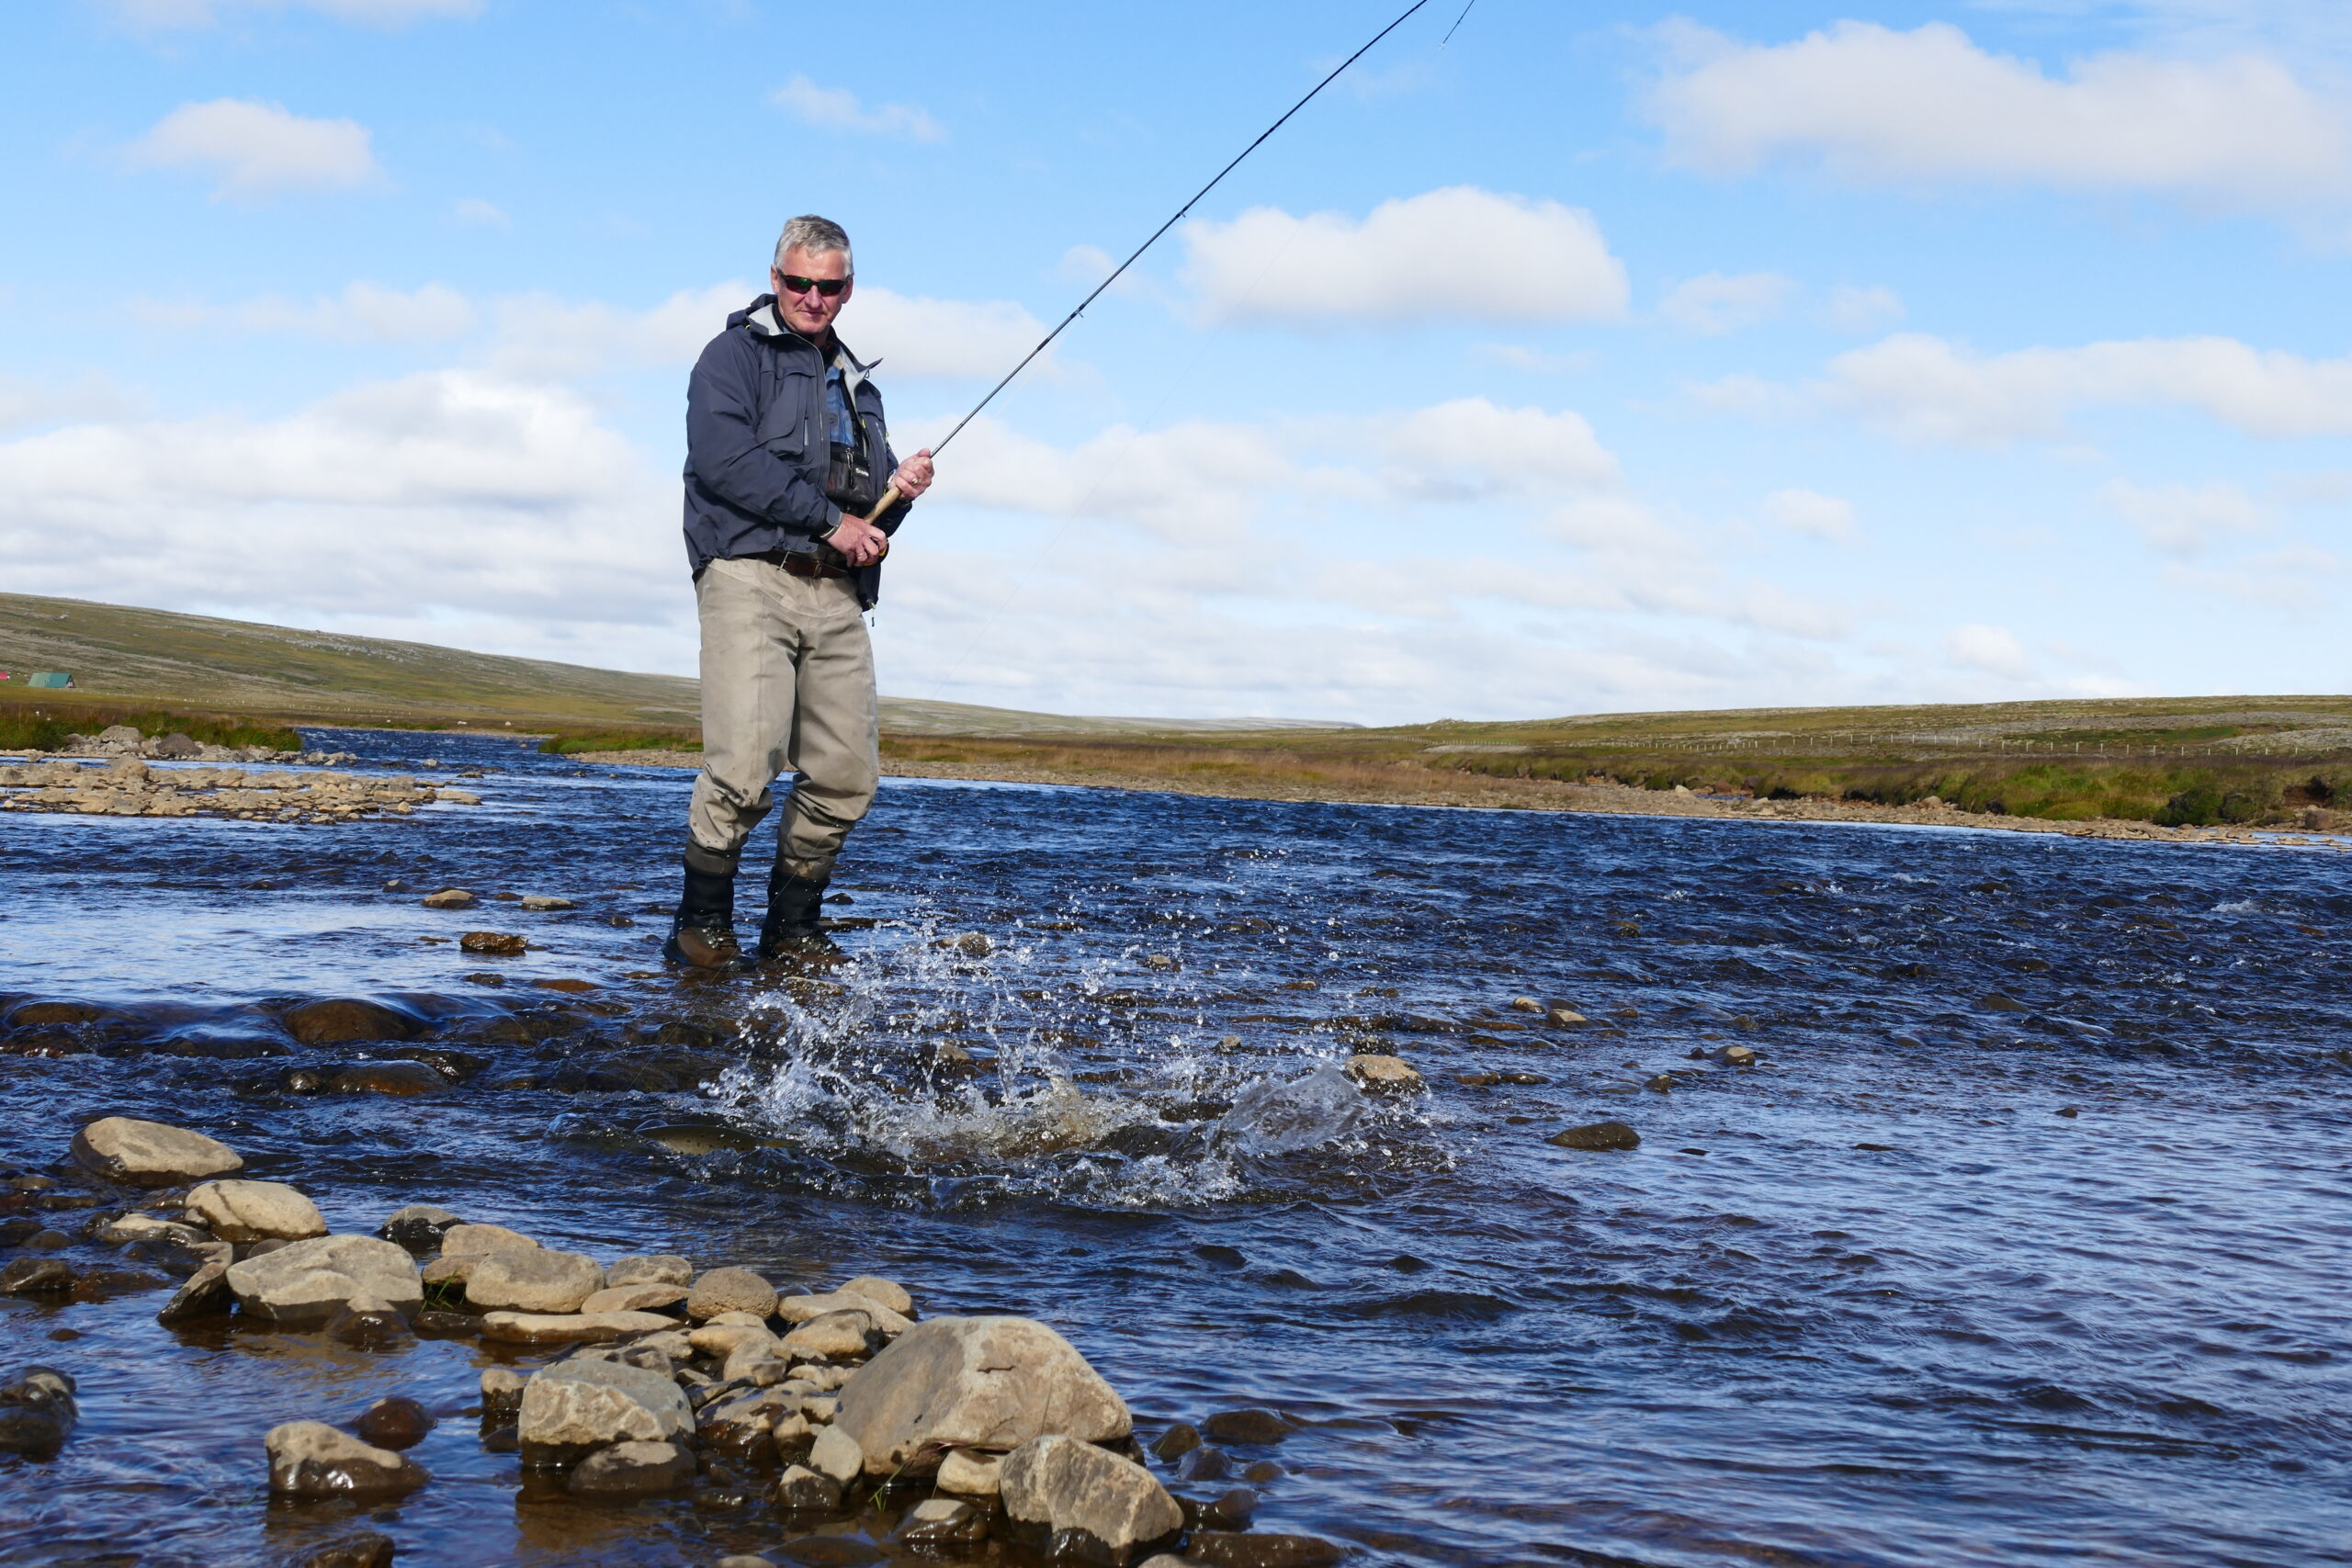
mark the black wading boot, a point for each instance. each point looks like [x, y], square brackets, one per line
[703, 934]
[790, 930]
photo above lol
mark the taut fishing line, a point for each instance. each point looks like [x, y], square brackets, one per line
[891, 496]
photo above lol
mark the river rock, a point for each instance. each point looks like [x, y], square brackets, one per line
[1598, 1135]
[254, 1211]
[739, 1423]
[985, 1382]
[343, 1020]
[1390, 1074]
[502, 1392]
[944, 1522]
[888, 1292]
[395, 1421]
[36, 1277]
[419, 1227]
[836, 1454]
[310, 1459]
[450, 899]
[631, 1470]
[802, 1309]
[970, 1473]
[1219, 1549]
[731, 1290]
[385, 1077]
[1076, 1500]
[665, 1269]
[837, 1336]
[37, 1413]
[306, 1283]
[498, 944]
[542, 902]
[151, 1154]
[1253, 1427]
[802, 1491]
[126, 1229]
[537, 1281]
[564, 1328]
[1736, 1056]
[572, 1407]
[479, 1241]
[1177, 1441]
[723, 1339]
[1229, 1511]
[366, 1549]
[204, 1293]
[634, 1298]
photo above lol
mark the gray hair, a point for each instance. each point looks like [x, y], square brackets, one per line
[815, 235]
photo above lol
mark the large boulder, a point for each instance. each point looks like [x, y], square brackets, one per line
[1072, 1499]
[536, 1281]
[151, 1153]
[310, 1459]
[982, 1383]
[306, 1283]
[572, 1408]
[254, 1211]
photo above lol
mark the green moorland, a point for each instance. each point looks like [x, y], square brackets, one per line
[2180, 761]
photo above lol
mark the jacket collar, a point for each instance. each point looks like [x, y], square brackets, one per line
[760, 320]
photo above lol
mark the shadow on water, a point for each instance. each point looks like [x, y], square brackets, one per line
[2023, 1240]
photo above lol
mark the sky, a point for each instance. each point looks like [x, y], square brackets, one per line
[1609, 358]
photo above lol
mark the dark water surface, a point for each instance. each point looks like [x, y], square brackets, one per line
[1873, 1302]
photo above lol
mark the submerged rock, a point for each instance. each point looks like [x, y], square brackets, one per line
[37, 1413]
[418, 1227]
[36, 1277]
[502, 1392]
[395, 1421]
[1218, 1548]
[385, 1077]
[631, 1470]
[983, 1382]
[498, 944]
[310, 1459]
[1076, 1500]
[1252, 1427]
[802, 1490]
[1385, 1073]
[151, 1154]
[944, 1522]
[344, 1021]
[306, 1283]
[1598, 1135]
[368, 1550]
[254, 1211]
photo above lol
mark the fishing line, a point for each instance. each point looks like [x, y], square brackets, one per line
[891, 495]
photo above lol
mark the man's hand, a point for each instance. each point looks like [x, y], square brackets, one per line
[914, 475]
[860, 542]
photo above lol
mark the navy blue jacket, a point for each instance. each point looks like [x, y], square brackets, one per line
[757, 447]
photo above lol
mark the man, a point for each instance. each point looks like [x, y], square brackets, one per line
[786, 455]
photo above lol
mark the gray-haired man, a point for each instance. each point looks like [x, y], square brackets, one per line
[787, 453]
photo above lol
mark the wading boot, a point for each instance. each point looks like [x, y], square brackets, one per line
[703, 934]
[790, 931]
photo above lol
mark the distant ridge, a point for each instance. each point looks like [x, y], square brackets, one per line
[120, 653]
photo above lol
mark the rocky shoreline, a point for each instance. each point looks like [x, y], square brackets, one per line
[640, 1377]
[1479, 791]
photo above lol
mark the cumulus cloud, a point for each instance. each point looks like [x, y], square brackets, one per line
[1924, 387]
[1811, 514]
[2181, 520]
[363, 313]
[1992, 650]
[1872, 104]
[838, 108]
[1456, 254]
[258, 150]
[1715, 303]
[156, 14]
[24, 404]
[1851, 308]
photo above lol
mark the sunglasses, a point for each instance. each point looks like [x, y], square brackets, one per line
[828, 286]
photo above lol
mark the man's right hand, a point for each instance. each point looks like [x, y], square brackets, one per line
[860, 542]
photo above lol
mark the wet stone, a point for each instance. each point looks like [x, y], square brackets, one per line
[1253, 1427]
[1601, 1135]
[36, 1277]
[1229, 1511]
[497, 945]
[502, 1392]
[944, 1522]
[345, 1020]
[310, 1459]
[1074, 1499]
[450, 899]
[366, 1324]
[254, 1211]
[1218, 1549]
[394, 1422]
[631, 1470]
[418, 1227]
[37, 1413]
[970, 1472]
[385, 1077]
[151, 1154]
[204, 1293]
[985, 1382]
[802, 1490]
[307, 1283]
[1177, 1441]
[370, 1549]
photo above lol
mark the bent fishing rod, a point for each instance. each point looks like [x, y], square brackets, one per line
[891, 496]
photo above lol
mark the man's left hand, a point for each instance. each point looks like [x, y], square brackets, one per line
[914, 475]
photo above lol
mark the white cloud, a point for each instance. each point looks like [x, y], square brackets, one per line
[1715, 303]
[2290, 578]
[1992, 650]
[941, 339]
[363, 313]
[259, 149]
[838, 108]
[1928, 389]
[1811, 514]
[161, 14]
[1456, 254]
[1872, 104]
[2181, 520]
[24, 404]
[473, 209]
[1851, 309]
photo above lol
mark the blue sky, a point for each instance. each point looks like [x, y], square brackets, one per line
[1612, 358]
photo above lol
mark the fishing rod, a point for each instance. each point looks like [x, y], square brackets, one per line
[891, 495]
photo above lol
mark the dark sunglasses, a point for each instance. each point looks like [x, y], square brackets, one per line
[828, 286]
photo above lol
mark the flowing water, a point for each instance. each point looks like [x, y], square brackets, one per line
[2025, 1242]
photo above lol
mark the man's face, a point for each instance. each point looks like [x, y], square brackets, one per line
[807, 311]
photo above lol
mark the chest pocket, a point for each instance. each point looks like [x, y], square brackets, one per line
[788, 424]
